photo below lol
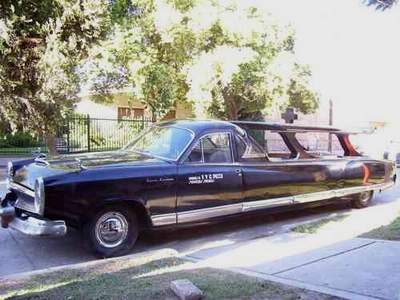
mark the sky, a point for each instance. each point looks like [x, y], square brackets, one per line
[353, 51]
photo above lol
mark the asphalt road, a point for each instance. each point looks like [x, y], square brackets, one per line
[19, 253]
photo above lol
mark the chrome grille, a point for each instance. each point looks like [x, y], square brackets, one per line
[23, 204]
[25, 197]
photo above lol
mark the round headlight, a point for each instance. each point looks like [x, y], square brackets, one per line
[39, 196]
[10, 169]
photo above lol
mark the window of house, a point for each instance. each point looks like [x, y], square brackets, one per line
[320, 143]
[213, 148]
[126, 112]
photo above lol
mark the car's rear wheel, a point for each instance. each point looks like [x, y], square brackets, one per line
[112, 231]
[362, 200]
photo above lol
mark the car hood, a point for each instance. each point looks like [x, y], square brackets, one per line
[58, 165]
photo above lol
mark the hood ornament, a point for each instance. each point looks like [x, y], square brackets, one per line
[38, 154]
[79, 161]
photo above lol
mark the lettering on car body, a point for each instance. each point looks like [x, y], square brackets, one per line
[205, 178]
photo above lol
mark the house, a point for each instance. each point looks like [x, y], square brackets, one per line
[121, 105]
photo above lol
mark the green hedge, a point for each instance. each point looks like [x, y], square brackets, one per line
[19, 140]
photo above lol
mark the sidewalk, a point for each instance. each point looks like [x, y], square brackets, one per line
[353, 269]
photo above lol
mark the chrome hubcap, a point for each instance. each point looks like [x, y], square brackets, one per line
[111, 229]
[364, 197]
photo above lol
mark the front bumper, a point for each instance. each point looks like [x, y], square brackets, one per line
[30, 225]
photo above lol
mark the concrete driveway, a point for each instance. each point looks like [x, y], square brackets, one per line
[19, 253]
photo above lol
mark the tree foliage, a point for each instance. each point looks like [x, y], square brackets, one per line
[218, 55]
[41, 44]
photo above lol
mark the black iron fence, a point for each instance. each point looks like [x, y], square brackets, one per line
[84, 134]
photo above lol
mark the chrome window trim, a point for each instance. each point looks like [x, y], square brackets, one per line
[232, 160]
[210, 212]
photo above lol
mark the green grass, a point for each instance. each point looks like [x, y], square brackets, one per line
[389, 232]
[146, 279]
[314, 227]
[19, 151]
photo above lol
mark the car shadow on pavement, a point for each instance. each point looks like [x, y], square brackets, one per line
[47, 252]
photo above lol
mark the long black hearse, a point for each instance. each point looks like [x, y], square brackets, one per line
[186, 171]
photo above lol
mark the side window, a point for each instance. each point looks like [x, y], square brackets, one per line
[271, 143]
[197, 154]
[216, 148]
[320, 143]
[213, 148]
[275, 146]
[248, 152]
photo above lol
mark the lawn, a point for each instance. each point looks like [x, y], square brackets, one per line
[145, 278]
[389, 232]
[19, 151]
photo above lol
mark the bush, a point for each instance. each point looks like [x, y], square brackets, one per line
[19, 140]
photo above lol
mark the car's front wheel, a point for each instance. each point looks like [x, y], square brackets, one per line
[112, 231]
[362, 200]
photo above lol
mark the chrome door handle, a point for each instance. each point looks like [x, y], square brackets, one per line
[239, 172]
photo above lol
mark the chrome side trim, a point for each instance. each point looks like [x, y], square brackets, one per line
[260, 204]
[205, 213]
[21, 189]
[311, 197]
[166, 219]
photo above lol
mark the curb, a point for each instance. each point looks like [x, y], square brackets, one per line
[167, 252]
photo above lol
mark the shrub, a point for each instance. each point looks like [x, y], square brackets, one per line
[19, 139]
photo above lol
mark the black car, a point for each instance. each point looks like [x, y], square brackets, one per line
[182, 172]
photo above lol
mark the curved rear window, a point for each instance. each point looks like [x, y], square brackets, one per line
[320, 143]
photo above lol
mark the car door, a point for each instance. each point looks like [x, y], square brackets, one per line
[209, 183]
[285, 181]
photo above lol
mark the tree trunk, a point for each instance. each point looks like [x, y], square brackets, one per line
[51, 144]
[231, 106]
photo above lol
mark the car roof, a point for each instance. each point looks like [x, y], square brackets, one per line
[284, 127]
[198, 126]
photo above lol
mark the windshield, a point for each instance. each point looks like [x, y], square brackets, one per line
[166, 142]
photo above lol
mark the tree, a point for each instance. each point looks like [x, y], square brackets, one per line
[144, 53]
[181, 50]
[251, 68]
[41, 45]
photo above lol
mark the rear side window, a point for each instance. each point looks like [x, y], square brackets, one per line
[276, 146]
[272, 143]
[248, 151]
[213, 148]
[320, 143]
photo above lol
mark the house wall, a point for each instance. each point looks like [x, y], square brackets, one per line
[109, 110]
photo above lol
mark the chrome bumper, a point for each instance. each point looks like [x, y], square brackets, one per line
[30, 225]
